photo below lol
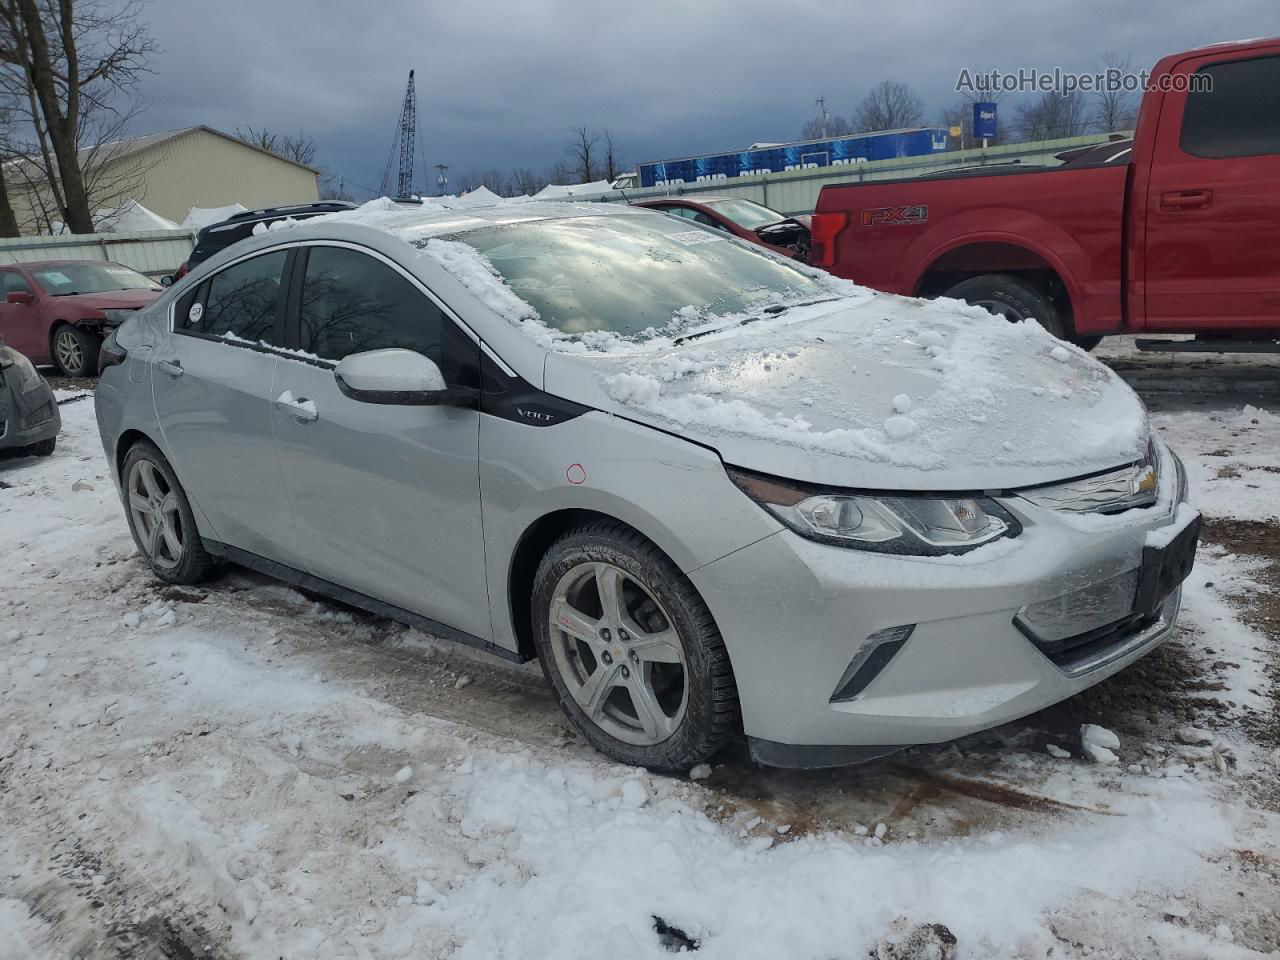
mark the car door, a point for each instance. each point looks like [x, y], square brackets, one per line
[211, 381]
[385, 497]
[20, 322]
[1213, 198]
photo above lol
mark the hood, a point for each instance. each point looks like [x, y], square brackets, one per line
[112, 300]
[876, 392]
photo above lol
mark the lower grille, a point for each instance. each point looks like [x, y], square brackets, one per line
[42, 414]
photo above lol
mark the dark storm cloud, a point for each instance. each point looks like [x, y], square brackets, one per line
[500, 83]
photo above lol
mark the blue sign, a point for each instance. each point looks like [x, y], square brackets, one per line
[832, 152]
[984, 121]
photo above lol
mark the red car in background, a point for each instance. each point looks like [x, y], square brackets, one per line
[59, 311]
[745, 219]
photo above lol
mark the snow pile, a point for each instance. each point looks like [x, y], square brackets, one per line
[130, 216]
[200, 217]
[1099, 743]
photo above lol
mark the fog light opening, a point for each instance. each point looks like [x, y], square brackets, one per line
[876, 652]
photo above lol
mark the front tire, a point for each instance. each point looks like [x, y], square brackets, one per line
[44, 448]
[75, 351]
[160, 518]
[631, 650]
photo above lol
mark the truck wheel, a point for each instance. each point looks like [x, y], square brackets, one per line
[631, 651]
[1012, 299]
[75, 351]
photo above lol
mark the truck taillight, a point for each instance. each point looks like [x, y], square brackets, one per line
[823, 231]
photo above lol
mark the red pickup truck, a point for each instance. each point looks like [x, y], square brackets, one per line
[1181, 234]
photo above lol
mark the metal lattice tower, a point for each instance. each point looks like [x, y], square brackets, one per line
[403, 142]
[408, 128]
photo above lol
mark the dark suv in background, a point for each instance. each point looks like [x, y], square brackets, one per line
[219, 236]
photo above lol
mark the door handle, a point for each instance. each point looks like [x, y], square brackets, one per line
[300, 408]
[172, 368]
[1186, 200]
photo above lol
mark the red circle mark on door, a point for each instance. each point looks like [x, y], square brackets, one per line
[576, 473]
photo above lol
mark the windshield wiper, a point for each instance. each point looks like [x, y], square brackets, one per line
[773, 311]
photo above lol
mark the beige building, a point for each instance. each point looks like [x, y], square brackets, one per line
[171, 172]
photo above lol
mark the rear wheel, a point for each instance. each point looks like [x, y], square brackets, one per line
[1017, 300]
[160, 518]
[631, 650]
[75, 351]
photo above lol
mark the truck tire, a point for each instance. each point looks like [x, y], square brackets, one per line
[1017, 300]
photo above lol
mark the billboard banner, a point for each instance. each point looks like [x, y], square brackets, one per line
[984, 121]
[832, 152]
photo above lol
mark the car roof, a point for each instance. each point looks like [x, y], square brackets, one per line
[36, 264]
[413, 221]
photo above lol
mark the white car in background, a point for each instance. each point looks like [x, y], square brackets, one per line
[712, 491]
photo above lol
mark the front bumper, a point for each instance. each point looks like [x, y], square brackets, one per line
[27, 418]
[796, 615]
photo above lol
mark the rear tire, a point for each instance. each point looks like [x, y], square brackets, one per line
[1012, 299]
[646, 680]
[75, 351]
[160, 518]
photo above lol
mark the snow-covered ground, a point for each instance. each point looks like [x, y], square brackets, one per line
[236, 771]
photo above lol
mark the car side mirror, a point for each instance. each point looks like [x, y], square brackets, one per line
[19, 296]
[398, 376]
[166, 280]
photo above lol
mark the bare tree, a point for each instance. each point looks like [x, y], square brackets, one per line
[1114, 107]
[299, 148]
[582, 154]
[70, 56]
[1052, 116]
[525, 182]
[8, 219]
[835, 126]
[612, 165]
[560, 172]
[890, 105]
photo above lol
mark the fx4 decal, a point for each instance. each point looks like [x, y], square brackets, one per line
[874, 216]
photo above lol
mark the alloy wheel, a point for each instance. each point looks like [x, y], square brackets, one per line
[153, 505]
[69, 352]
[619, 653]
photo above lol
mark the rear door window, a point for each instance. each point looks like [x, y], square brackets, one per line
[1234, 110]
[243, 302]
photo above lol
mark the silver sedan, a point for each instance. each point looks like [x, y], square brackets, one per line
[712, 491]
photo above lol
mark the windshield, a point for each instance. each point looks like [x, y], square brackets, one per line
[744, 213]
[630, 274]
[66, 279]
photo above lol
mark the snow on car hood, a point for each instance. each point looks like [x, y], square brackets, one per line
[876, 392]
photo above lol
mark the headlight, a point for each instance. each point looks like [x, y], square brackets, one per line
[911, 525]
[17, 365]
[117, 317]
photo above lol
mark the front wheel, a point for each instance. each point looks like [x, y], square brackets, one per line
[631, 650]
[75, 351]
[160, 518]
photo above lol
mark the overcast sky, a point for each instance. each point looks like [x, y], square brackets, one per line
[501, 82]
